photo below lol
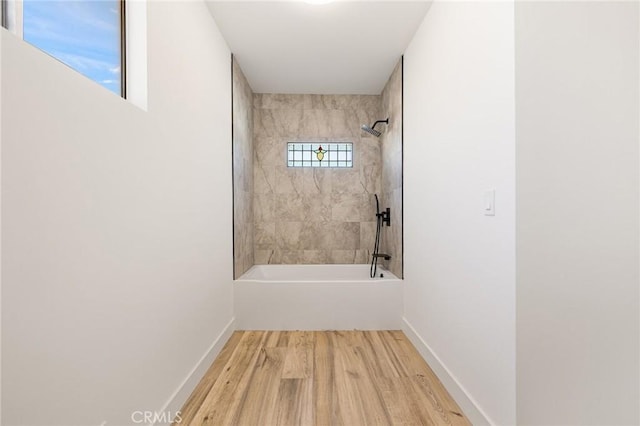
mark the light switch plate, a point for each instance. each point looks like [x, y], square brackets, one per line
[490, 203]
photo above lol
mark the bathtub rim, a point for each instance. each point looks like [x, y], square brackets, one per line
[367, 279]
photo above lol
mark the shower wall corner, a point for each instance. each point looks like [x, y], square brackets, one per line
[392, 171]
[242, 153]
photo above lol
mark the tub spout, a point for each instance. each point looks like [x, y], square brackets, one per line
[383, 255]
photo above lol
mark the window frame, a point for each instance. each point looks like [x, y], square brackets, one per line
[16, 8]
[123, 49]
[291, 163]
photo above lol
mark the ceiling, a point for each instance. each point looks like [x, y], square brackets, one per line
[344, 47]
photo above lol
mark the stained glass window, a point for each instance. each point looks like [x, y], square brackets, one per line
[320, 154]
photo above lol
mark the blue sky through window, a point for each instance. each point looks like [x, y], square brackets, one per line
[83, 34]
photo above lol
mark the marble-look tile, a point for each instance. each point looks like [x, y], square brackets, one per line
[348, 257]
[278, 122]
[357, 117]
[289, 180]
[242, 147]
[278, 101]
[257, 100]
[368, 153]
[292, 257]
[290, 208]
[392, 144]
[368, 207]
[263, 179]
[343, 124]
[276, 259]
[316, 181]
[367, 235]
[328, 102]
[391, 180]
[393, 241]
[327, 122]
[247, 262]
[370, 179]
[318, 207]
[395, 177]
[287, 235]
[264, 235]
[315, 102]
[362, 256]
[246, 232]
[396, 200]
[242, 202]
[264, 207]
[342, 257]
[315, 212]
[346, 207]
[248, 216]
[271, 257]
[370, 103]
[263, 257]
[346, 181]
[247, 175]
[238, 267]
[316, 235]
[314, 124]
[315, 257]
[238, 183]
[395, 125]
[242, 122]
[270, 151]
[392, 93]
[344, 236]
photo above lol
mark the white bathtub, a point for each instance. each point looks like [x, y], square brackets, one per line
[317, 297]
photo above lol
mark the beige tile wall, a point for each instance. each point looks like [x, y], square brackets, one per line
[314, 215]
[391, 141]
[243, 220]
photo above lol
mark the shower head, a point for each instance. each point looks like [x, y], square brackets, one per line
[372, 130]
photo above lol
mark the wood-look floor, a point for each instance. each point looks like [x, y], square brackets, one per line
[351, 378]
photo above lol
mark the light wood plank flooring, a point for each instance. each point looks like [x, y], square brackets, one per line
[351, 378]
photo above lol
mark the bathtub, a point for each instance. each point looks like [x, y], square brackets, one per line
[317, 297]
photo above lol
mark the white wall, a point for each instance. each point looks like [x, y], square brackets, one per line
[459, 140]
[577, 227]
[116, 232]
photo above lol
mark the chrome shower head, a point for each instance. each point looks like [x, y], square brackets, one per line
[372, 130]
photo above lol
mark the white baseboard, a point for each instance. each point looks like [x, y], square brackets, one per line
[466, 402]
[182, 393]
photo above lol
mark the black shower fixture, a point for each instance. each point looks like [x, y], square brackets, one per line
[372, 130]
[381, 218]
[385, 216]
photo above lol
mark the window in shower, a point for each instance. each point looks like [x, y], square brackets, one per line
[320, 154]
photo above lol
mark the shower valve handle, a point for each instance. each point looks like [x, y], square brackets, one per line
[385, 216]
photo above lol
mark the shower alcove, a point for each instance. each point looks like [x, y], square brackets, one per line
[304, 236]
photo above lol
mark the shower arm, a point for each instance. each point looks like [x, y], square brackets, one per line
[379, 121]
